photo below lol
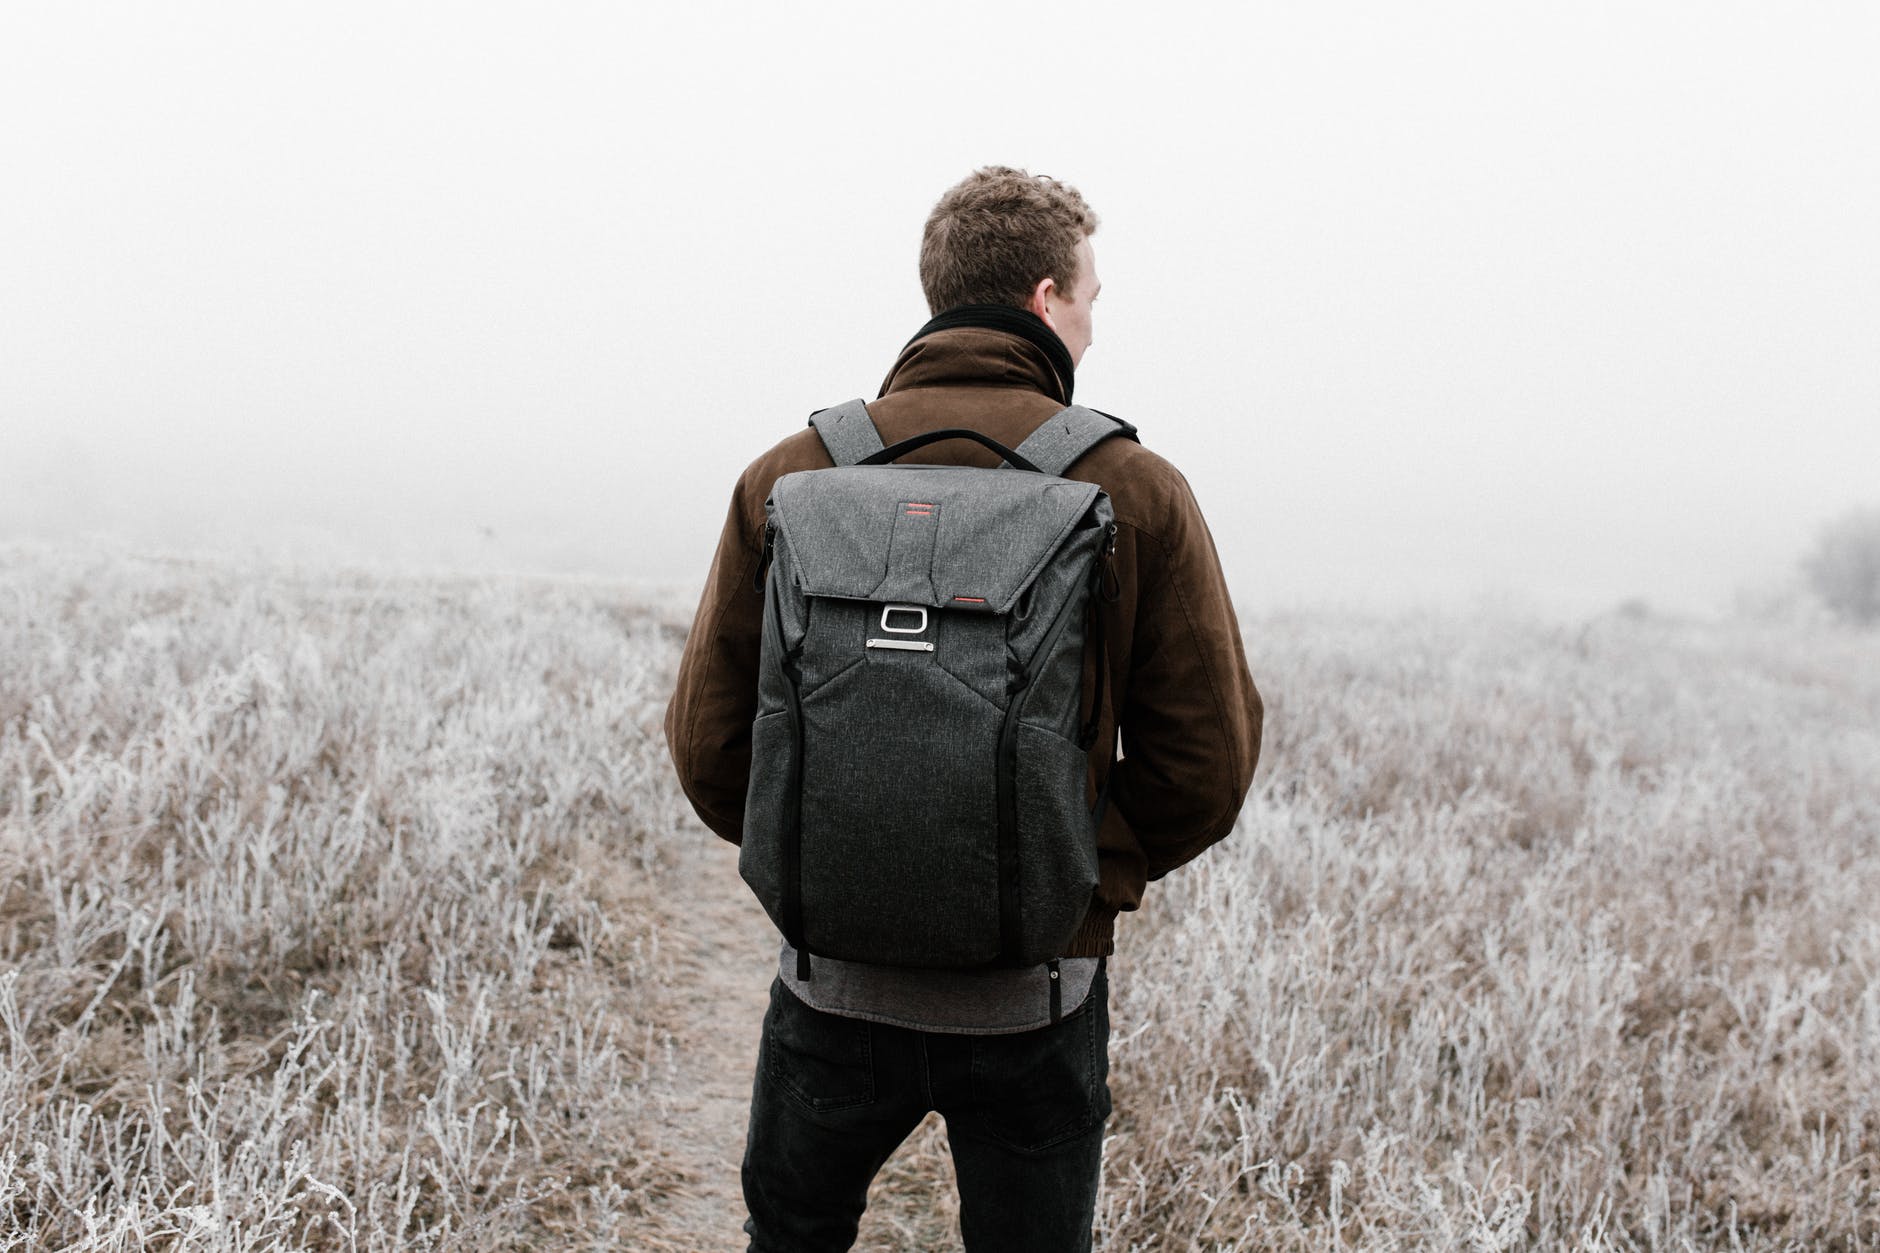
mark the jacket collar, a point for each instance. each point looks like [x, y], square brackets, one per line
[967, 351]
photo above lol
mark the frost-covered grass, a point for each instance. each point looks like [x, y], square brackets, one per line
[328, 908]
[1529, 938]
[323, 907]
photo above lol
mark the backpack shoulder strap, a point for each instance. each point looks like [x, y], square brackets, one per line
[847, 432]
[1067, 435]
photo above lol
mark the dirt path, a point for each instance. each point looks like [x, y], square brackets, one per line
[719, 954]
[723, 954]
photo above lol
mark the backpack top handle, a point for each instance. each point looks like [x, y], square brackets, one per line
[889, 453]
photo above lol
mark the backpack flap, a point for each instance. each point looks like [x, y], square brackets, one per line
[948, 537]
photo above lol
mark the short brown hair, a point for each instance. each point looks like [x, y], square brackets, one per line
[996, 234]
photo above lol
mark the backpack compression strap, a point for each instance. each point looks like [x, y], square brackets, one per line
[1067, 435]
[847, 432]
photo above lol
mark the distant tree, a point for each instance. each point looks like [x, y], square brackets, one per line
[1844, 568]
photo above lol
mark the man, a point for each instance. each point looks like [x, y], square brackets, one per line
[854, 1058]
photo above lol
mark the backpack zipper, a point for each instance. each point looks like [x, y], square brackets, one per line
[1017, 687]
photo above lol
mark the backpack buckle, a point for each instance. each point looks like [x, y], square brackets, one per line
[887, 610]
[910, 646]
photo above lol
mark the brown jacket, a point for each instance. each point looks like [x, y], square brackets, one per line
[1178, 680]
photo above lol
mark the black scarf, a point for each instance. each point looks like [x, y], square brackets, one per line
[1023, 323]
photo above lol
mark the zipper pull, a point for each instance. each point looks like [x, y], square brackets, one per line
[1107, 586]
[763, 562]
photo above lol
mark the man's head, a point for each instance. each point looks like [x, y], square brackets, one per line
[1004, 237]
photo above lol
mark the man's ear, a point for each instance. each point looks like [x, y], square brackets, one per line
[1042, 296]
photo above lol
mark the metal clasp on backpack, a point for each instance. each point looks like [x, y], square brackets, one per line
[912, 646]
[903, 630]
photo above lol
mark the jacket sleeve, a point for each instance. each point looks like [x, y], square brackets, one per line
[708, 723]
[1192, 718]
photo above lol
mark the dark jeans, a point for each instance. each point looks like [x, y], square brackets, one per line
[834, 1096]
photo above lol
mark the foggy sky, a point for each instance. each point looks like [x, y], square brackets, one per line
[1564, 303]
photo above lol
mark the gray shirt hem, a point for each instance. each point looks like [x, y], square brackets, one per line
[956, 1002]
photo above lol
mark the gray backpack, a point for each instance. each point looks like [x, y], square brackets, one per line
[919, 792]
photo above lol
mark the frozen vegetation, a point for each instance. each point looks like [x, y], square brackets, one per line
[325, 917]
[331, 907]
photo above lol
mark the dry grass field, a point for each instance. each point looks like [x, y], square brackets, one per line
[342, 911]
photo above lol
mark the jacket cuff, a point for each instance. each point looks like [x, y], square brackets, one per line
[1096, 937]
